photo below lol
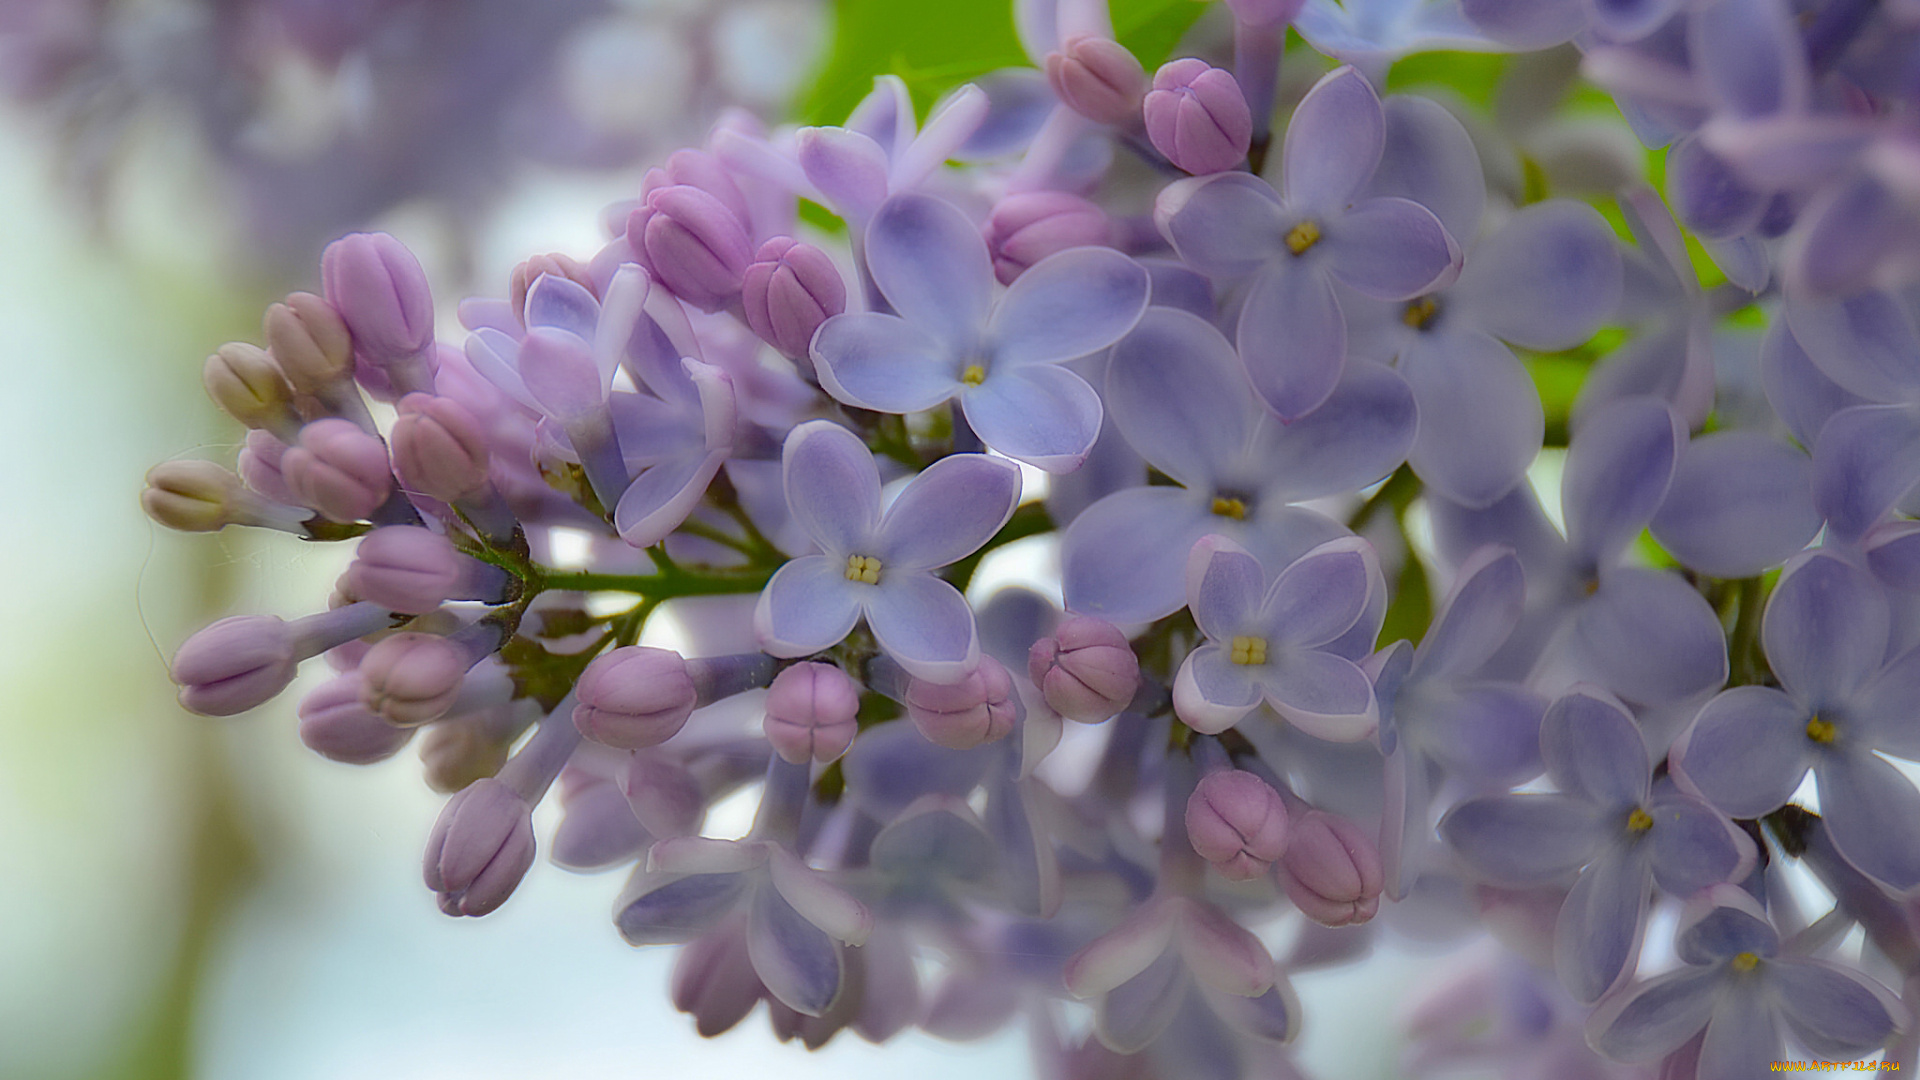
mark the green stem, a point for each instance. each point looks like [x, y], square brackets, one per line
[1399, 491]
[662, 586]
[1744, 653]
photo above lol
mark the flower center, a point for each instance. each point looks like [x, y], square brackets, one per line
[973, 374]
[1303, 236]
[863, 568]
[1249, 650]
[1639, 821]
[1227, 506]
[1821, 731]
[1420, 313]
[1746, 961]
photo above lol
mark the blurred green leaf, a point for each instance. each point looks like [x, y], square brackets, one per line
[1412, 606]
[1474, 76]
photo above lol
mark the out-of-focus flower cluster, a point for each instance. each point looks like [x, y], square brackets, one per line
[1324, 662]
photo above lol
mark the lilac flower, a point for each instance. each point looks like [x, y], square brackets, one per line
[1610, 823]
[1840, 699]
[879, 153]
[1178, 394]
[950, 339]
[1371, 34]
[880, 566]
[1749, 996]
[1293, 247]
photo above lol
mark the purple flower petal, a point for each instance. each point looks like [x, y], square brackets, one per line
[1740, 503]
[1223, 954]
[1873, 814]
[1618, 470]
[1211, 692]
[1479, 612]
[1743, 1038]
[1121, 953]
[1546, 279]
[1884, 708]
[1224, 588]
[1178, 393]
[658, 909]
[832, 486]
[1594, 750]
[1481, 423]
[1746, 752]
[562, 304]
[819, 901]
[1124, 557]
[883, 362]
[932, 265]
[1750, 56]
[1652, 637]
[1694, 846]
[1866, 342]
[800, 965]
[1825, 630]
[662, 497]
[1486, 735]
[1319, 596]
[1069, 304]
[1292, 338]
[1224, 226]
[1865, 462]
[1526, 24]
[808, 605]
[1630, 20]
[1324, 695]
[924, 624]
[1391, 249]
[1359, 435]
[1803, 396]
[1598, 933]
[848, 167]
[1137, 1011]
[1526, 839]
[1708, 194]
[1645, 1023]
[1333, 142]
[947, 512]
[1722, 923]
[1844, 238]
[1430, 159]
[1041, 414]
[1833, 1011]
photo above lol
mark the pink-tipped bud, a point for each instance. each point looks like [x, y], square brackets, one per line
[338, 469]
[692, 244]
[480, 848]
[1099, 79]
[381, 293]
[245, 382]
[525, 274]
[788, 291]
[1331, 870]
[235, 664]
[1238, 823]
[335, 725]
[1086, 670]
[1028, 226]
[810, 712]
[439, 448]
[413, 570]
[959, 716]
[634, 697]
[1197, 116]
[310, 343]
[1264, 13]
[259, 466]
[410, 678]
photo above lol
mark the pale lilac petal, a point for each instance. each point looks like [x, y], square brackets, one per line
[1121, 953]
[1546, 280]
[1223, 954]
[1694, 846]
[1292, 338]
[885, 115]
[1749, 55]
[1594, 750]
[1644, 1023]
[1211, 692]
[1740, 503]
[1178, 393]
[1479, 612]
[848, 167]
[1430, 159]
[1866, 342]
[662, 497]
[1486, 734]
[1273, 1017]
[1359, 435]
[1526, 24]
[938, 836]
[819, 901]
[1598, 934]
[1836, 1012]
[807, 606]
[561, 303]
[1825, 630]
[1516, 520]
[1135, 1013]
[932, 265]
[1391, 249]
[1803, 396]
[1528, 839]
[924, 624]
[1866, 460]
[1845, 238]
[1124, 558]
[1884, 709]
[1225, 225]
[559, 371]
[947, 512]
[1333, 142]
[832, 486]
[800, 965]
[952, 122]
[1326, 696]
[1069, 304]
[1709, 195]
[658, 909]
[1747, 751]
[1743, 1038]
[883, 362]
[1319, 596]
[1041, 414]
[685, 855]
[1722, 923]
[1617, 474]
[1224, 594]
[1872, 812]
[1652, 637]
[1481, 423]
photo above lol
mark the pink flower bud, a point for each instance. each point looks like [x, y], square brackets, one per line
[310, 343]
[788, 291]
[381, 293]
[480, 848]
[1197, 116]
[413, 570]
[411, 678]
[959, 716]
[259, 466]
[245, 382]
[338, 469]
[634, 697]
[1331, 870]
[692, 244]
[810, 712]
[1086, 670]
[1263, 13]
[335, 725]
[1099, 79]
[1028, 226]
[1237, 823]
[235, 664]
[439, 449]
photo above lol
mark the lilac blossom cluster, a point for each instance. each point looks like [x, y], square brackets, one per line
[1274, 364]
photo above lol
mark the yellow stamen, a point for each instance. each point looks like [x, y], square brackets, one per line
[1303, 236]
[973, 374]
[1420, 312]
[1821, 731]
[1249, 650]
[1639, 821]
[1229, 508]
[863, 568]
[1746, 961]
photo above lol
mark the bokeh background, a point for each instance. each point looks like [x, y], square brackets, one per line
[182, 897]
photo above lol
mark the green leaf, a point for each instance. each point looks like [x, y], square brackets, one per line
[1412, 606]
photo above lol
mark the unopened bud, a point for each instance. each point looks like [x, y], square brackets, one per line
[1086, 670]
[240, 662]
[259, 466]
[1197, 116]
[1238, 823]
[634, 697]
[1028, 226]
[310, 343]
[1099, 79]
[1331, 870]
[245, 382]
[525, 274]
[338, 469]
[788, 291]
[480, 848]
[811, 710]
[335, 725]
[412, 678]
[381, 292]
[959, 716]
[199, 496]
[692, 244]
[413, 570]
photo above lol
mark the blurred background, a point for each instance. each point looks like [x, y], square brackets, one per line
[192, 898]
